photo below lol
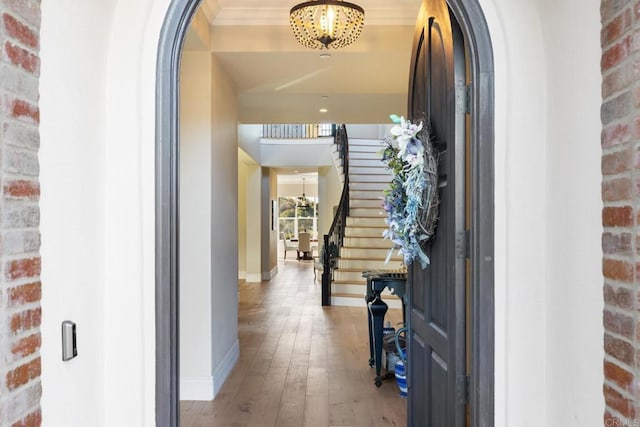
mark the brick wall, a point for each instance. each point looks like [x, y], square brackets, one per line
[621, 213]
[20, 312]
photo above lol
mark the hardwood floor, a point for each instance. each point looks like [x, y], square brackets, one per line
[300, 364]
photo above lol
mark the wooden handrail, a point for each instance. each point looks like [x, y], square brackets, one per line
[334, 238]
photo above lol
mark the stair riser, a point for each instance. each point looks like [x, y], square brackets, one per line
[368, 264]
[378, 186]
[365, 141]
[366, 195]
[364, 203]
[367, 253]
[366, 222]
[363, 232]
[364, 242]
[377, 163]
[348, 276]
[364, 155]
[370, 171]
[370, 178]
[366, 149]
[349, 288]
[366, 212]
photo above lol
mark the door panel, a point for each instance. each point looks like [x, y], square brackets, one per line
[436, 296]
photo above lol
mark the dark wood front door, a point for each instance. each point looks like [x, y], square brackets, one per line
[436, 366]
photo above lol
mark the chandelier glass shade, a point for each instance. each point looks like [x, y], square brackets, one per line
[320, 24]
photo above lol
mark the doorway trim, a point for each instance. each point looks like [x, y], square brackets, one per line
[172, 35]
[477, 39]
[476, 33]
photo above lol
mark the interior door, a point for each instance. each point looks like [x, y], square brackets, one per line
[436, 367]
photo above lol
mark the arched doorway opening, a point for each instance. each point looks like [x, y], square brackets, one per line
[480, 241]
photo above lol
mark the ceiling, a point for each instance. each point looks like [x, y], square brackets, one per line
[280, 81]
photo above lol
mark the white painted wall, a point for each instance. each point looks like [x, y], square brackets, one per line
[196, 370]
[73, 207]
[329, 192]
[103, 131]
[574, 278]
[548, 283]
[242, 220]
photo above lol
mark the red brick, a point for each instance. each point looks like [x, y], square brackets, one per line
[25, 35]
[618, 134]
[22, 268]
[618, 402]
[617, 216]
[620, 376]
[616, 54]
[617, 244]
[34, 419]
[618, 189]
[25, 294]
[617, 162]
[619, 349]
[619, 296]
[618, 79]
[610, 8]
[22, 58]
[616, 28]
[23, 374]
[621, 271]
[22, 109]
[26, 346]
[22, 189]
[619, 323]
[27, 10]
[26, 320]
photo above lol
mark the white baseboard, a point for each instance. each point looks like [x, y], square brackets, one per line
[196, 388]
[268, 275]
[224, 368]
[206, 388]
[253, 278]
[242, 275]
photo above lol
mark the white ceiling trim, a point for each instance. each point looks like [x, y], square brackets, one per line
[244, 16]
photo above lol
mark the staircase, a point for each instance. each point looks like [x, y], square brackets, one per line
[363, 246]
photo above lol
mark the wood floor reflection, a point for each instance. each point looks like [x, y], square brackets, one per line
[300, 364]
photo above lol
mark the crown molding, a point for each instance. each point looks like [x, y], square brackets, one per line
[244, 16]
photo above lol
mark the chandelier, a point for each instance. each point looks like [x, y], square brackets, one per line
[318, 24]
[302, 200]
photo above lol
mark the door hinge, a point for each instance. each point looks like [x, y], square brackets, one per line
[462, 388]
[467, 243]
[463, 244]
[467, 99]
[463, 99]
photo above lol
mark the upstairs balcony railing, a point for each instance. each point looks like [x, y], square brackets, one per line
[298, 131]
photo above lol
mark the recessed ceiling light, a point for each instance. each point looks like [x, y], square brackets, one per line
[325, 55]
[323, 110]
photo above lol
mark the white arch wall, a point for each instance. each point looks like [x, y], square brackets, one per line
[548, 258]
[98, 88]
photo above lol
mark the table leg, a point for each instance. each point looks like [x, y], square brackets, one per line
[378, 309]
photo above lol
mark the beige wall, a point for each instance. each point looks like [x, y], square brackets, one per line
[208, 226]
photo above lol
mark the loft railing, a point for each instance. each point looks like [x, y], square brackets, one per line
[298, 131]
[333, 240]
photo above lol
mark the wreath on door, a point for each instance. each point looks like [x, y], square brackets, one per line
[411, 202]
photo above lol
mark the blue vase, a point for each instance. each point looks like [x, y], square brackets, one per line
[401, 377]
[401, 364]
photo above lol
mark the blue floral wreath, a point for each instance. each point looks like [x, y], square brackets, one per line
[412, 198]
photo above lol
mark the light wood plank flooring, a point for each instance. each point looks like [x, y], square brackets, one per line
[300, 364]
